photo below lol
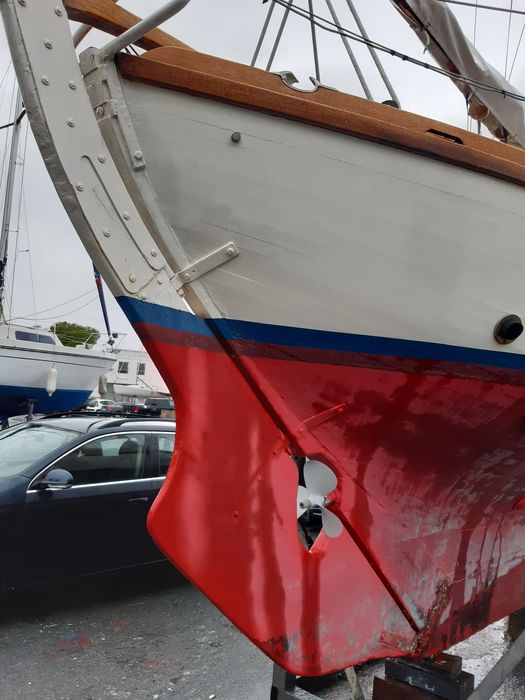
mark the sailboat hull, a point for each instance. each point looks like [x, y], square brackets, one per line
[14, 400]
[24, 371]
[418, 411]
[430, 469]
[347, 265]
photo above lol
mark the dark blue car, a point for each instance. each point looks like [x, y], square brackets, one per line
[74, 495]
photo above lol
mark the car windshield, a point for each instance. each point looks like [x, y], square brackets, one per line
[22, 446]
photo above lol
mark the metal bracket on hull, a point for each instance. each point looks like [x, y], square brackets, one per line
[105, 106]
[206, 264]
[111, 110]
[320, 418]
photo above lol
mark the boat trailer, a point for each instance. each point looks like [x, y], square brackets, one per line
[439, 678]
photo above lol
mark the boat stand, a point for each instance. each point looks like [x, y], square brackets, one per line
[443, 678]
[286, 686]
[439, 678]
[424, 679]
[30, 406]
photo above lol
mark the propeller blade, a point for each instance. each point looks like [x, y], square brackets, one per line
[331, 523]
[319, 478]
[302, 496]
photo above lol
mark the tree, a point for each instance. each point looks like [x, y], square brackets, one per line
[73, 334]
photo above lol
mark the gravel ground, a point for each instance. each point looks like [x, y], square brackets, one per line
[150, 634]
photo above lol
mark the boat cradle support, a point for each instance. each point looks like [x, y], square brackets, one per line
[285, 686]
[421, 682]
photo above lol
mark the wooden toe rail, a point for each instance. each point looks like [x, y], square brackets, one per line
[217, 79]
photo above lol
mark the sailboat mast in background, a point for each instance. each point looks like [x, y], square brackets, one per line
[37, 372]
[8, 197]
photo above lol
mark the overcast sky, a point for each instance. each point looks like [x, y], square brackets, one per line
[61, 269]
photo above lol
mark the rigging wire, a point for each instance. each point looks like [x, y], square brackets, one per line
[350, 52]
[9, 124]
[13, 275]
[92, 292]
[508, 39]
[517, 51]
[474, 40]
[4, 77]
[3, 85]
[54, 318]
[6, 139]
[373, 54]
[4, 178]
[332, 28]
[31, 273]
[483, 7]
[263, 34]
[288, 5]
[476, 23]
[314, 40]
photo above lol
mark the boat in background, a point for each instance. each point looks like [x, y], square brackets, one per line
[37, 372]
[355, 274]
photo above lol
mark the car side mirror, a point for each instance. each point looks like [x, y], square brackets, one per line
[56, 479]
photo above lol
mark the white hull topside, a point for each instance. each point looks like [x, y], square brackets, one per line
[334, 233]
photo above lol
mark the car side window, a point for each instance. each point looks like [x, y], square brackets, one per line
[106, 459]
[165, 446]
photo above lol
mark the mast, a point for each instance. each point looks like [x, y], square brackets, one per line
[8, 198]
[100, 289]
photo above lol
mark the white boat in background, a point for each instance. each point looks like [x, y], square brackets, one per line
[37, 372]
[355, 274]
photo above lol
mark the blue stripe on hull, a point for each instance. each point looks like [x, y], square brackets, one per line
[145, 312]
[163, 316]
[13, 398]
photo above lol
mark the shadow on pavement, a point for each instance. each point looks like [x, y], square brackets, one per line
[97, 589]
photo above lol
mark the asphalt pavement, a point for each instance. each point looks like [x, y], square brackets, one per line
[150, 634]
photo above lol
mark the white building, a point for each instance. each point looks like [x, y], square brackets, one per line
[134, 376]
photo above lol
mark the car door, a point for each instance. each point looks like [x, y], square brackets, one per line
[100, 522]
[162, 452]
